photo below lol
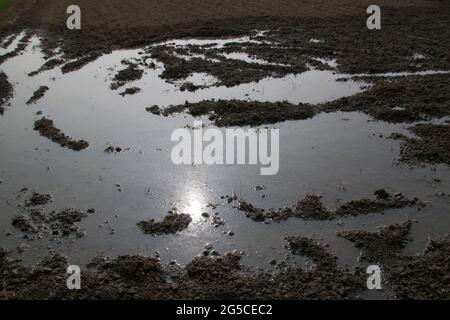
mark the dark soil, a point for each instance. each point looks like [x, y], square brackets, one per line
[136, 277]
[36, 223]
[311, 208]
[402, 99]
[38, 199]
[6, 91]
[242, 113]
[432, 144]
[63, 223]
[38, 94]
[172, 223]
[229, 72]
[424, 276]
[48, 65]
[131, 73]
[312, 249]
[130, 91]
[46, 129]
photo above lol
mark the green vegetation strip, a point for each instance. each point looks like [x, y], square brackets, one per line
[5, 4]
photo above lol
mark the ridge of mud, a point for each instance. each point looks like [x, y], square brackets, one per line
[226, 113]
[311, 208]
[171, 223]
[130, 73]
[46, 129]
[6, 91]
[38, 94]
[402, 99]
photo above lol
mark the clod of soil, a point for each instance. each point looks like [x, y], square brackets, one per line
[38, 199]
[48, 65]
[154, 109]
[63, 223]
[46, 129]
[130, 91]
[311, 208]
[241, 113]
[431, 146]
[312, 249]
[424, 276]
[6, 90]
[172, 223]
[38, 94]
[131, 73]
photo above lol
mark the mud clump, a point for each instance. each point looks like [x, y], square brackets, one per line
[46, 129]
[24, 224]
[154, 110]
[63, 223]
[312, 249]
[424, 276]
[130, 91]
[431, 146]
[172, 223]
[38, 94]
[131, 73]
[311, 208]
[48, 65]
[6, 91]
[38, 200]
[242, 113]
[381, 245]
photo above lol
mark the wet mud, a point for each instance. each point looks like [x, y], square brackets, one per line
[38, 94]
[172, 223]
[46, 128]
[423, 276]
[6, 91]
[311, 208]
[431, 145]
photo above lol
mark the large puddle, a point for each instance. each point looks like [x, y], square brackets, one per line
[340, 156]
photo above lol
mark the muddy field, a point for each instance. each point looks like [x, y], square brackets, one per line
[86, 176]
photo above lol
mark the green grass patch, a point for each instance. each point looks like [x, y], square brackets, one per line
[5, 4]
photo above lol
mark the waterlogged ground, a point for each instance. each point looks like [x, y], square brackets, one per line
[341, 156]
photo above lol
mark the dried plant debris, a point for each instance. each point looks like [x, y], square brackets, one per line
[38, 94]
[172, 223]
[226, 113]
[423, 276]
[432, 144]
[311, 208]
[47, 129]
[6, 91]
